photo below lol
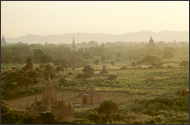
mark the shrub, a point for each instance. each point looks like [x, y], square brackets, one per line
[96, 62]
[154, 65]
[137, 108]
[169, 66]
[167, 55]
[70, 73]
[184, 63]
[112, 63]
[88, 69]
[107, 107]
[94, 117]
[83, 76]
[124, 67]
[150, 59]
[152, 121]
[62, 82]
[117, 60]
[112, 77]
[71, 83]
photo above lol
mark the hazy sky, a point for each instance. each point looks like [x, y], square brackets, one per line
[116, 17]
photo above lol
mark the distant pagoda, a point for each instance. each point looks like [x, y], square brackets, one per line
[49, 103]
[3, 41]
[73, 46]
[151, 43]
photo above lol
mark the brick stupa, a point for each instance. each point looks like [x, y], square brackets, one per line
[29, 65]
[50, 103]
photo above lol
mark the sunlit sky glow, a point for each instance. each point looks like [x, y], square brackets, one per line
[116, 17]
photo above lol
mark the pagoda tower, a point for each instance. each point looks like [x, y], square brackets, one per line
[50, 103]
[151, 43]
[3, 41]
[73, 46]
[49, 91]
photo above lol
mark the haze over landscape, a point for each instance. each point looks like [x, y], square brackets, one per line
[94, 20]
[94, 62]
[103, 37]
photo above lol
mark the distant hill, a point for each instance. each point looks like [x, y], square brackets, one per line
[103, 37]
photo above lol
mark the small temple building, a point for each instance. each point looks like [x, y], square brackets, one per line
[90, 97]
[103, 71]
[50, 103]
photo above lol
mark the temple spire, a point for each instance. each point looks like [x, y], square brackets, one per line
[49, 90]
[91, 89]
[74, 40]
[3, 41]
[49, 79]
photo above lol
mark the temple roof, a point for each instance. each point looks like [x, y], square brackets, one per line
[151, 40]
[49, 80]
[3, 41]
[74, 41]
[91, 89]
[49, 91]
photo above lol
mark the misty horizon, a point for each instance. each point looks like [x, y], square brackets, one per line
[95, 62]
[93, 33]
[141, 36]
[19, 18]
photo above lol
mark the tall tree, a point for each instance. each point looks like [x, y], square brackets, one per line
[107, 107]
[45, 58]
[168, 55]
[103, 58]
[88, 69]
[37, 54]
[96, 62]
[17, 60]
[59, 69]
